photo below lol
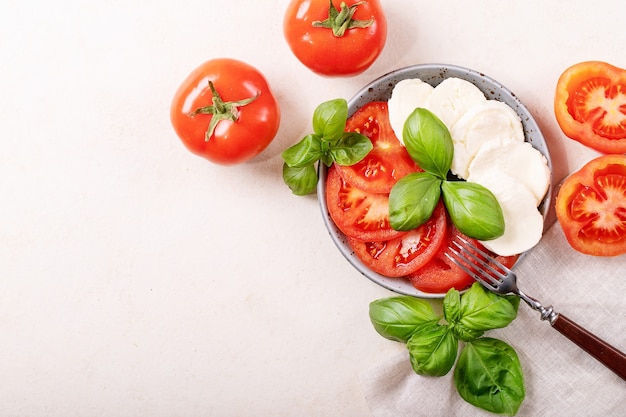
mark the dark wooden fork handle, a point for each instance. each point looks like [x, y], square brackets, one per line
[611, 357]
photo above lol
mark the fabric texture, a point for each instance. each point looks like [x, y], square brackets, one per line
[560, 378]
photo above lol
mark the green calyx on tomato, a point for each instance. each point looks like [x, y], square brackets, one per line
[488, 373]
[340, 20]
[473, 209]
[329, 143]
[221, 110]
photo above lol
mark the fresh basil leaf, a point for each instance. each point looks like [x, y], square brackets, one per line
[433, 350]
[489, 375]
[428, 141]
[329, 119]
[413, 199]
[483, 310]
[351, 148]
[452, 306]
[465, 334]
[301, 180]
[303, 153]
[473, 209]
[397, 318]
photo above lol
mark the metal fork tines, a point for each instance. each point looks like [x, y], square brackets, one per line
[496, 277]
[492, 274]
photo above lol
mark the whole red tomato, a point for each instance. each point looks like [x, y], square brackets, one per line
[225, 112]
[336, 37]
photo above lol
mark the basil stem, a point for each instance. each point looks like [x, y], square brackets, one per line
[473, 209]
[413, 199]
[428, 141]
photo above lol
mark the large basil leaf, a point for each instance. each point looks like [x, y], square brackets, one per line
[452, 306]
[301, 181]
[433, 350]
[413, 199]
[350, 148]
[483, 310]
[329, 119]
[397, 318]
[303, 153]
[489, 375]
[473, 209]
[428, 141]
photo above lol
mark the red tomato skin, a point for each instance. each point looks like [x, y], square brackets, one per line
[384, 257]
[591, 207]
[322, 52]
[233, 142]
[583, 130]
[387, 162]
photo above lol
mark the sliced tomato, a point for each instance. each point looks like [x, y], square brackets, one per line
[590, 105]
[591, 207]
[387, 162]
[441, 274]
[357, 213]
[403, 255]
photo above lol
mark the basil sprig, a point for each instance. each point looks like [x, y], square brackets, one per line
[329, 143]
[488, 373]
[473, 209]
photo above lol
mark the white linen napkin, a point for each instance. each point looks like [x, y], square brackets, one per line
[560, 378]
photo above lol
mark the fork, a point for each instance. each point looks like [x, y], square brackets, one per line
[501, 280]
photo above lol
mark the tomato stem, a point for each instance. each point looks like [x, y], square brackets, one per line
[340, 20]
[221, 110]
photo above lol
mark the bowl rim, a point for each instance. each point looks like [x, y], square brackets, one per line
[380, 90]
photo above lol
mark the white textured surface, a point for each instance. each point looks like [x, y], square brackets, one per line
[139, 279]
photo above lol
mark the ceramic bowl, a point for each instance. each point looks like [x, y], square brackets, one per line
[380, 90]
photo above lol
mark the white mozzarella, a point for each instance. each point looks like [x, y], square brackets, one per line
[452, 98]
[482, 123]
[407, 95]
[523, 223]
[517, 159]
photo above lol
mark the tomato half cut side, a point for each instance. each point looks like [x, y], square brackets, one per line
[405, 254]
[591, 207]
[357, 213]
[441, 274]
[590, 105]
[387, 162]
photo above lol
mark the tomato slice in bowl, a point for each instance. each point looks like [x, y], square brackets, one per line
[405, 254]
[358, 214]
[441, 274]
[387, 162]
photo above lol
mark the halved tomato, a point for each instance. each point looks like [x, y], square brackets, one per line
[387, 162]
[590, 105]
[591, 207]
[441, 274]
[403, 255]
[358, 214]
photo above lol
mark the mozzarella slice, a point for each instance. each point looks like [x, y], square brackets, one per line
[407, 95]
[452, 98]
[517, 159]
[523, 223]
[482, 123]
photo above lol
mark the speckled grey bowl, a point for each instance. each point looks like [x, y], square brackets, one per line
[380, 90]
